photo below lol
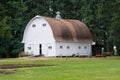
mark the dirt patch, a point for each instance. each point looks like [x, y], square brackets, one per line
[12, 66]
[7, 71]
[9, 68]
[35, 58]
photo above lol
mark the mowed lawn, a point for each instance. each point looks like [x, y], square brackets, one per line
[66, 69]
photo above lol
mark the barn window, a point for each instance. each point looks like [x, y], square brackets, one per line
[33, 25]
[44, 24]
[85, 47]
[77, 53]
[68, 47]
[61, 47]
[79, 47]
[29, 48]
[49, 47]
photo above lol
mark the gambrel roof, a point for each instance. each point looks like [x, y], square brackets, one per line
[69, 30]
[65, 30]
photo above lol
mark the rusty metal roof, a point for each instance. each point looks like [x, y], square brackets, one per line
[69, 30]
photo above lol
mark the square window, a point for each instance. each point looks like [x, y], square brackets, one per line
[68, 47]
[61, 47]
[85, 47]
[79, 47]
[49, 47]
[33, 25]
[44, 24]
[29, 48]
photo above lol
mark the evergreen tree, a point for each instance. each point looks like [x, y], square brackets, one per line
[101, 16]
[11, 19]
[115, 25]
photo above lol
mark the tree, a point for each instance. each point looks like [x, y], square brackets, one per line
[16, 22]
[5, 37]
[101, 16]
[11, 19]
[115, 25]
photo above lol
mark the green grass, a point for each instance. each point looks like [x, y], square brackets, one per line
[66, 69]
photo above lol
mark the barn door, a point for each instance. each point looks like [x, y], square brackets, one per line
[40, 49]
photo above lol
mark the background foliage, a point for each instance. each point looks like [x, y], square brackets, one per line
[101, 16]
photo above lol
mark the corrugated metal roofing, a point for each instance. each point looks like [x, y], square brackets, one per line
[69, 30]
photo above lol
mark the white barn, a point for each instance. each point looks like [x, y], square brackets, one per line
[57, 37]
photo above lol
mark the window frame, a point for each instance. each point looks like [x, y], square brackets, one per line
[44, 24]
[61, 47]
[68, 47]
[85, 47]
[33, 25]
[79, 47]
[49, 47]
[29, 48]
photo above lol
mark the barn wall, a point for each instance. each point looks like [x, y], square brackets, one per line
[70, 49]
[38, 31]
[32, 49]
[59, 49]
[50, 50]
[47, 49]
